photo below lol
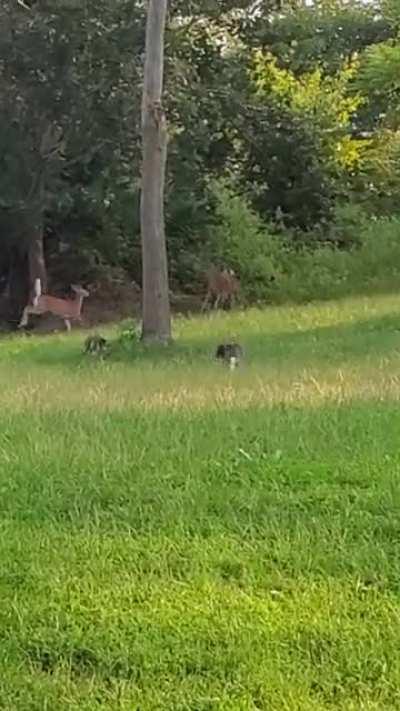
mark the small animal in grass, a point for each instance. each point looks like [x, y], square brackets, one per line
[229, 353]
[96, 345]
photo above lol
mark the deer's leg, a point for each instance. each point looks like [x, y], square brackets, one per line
[206, 301]
[67, 324]
[24, 318]
[217, 301]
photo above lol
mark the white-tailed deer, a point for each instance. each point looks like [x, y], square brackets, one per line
[67, 309]
[222, 286]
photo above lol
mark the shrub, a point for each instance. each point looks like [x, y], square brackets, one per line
[129, 335]
[359, 253]
[241, 240]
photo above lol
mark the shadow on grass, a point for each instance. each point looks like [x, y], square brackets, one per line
[376, 337]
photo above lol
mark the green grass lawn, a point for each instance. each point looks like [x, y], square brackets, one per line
[177, 537]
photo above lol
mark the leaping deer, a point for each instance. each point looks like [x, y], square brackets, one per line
[67, 309]
[222, 286]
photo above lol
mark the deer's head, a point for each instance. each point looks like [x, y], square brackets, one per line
[79, 290]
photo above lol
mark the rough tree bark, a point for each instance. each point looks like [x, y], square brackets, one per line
[24, 263]
[37, 265]
[17, 288]
[49, 143]
[156, 316]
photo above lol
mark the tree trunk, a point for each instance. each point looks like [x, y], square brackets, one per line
[155, 292]
[26, 264]
[37, 265]
[17, 291]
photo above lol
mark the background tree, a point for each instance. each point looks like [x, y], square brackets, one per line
[67, 141]
[295, 107]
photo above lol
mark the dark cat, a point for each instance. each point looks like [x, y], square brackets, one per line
[96, 345]
[230, 353]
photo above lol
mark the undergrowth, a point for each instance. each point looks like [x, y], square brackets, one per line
[275, 267]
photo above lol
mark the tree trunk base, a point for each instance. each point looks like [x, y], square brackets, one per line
[156, 338]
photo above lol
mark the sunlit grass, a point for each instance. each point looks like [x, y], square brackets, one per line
[175, 536]
[308, 355]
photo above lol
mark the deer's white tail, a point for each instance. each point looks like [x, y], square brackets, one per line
[37, 292]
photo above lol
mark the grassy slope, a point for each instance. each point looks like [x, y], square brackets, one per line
[177, 537]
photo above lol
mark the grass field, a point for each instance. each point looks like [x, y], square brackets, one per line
[177, 537]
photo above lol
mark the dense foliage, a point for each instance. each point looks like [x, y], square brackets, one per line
[292, 110]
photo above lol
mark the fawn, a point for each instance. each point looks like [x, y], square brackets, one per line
[67, 309]
[222, 286]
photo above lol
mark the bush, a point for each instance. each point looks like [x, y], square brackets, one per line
[242, 241]
[128, 336]
[329, 272]
[378, 260]
[349, 222]
[368, 255]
